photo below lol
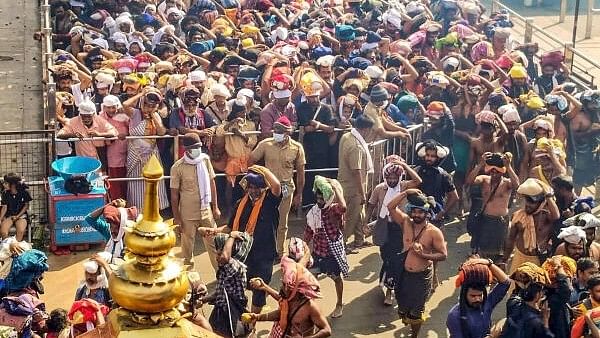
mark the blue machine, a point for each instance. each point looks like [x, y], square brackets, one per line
[68, 211]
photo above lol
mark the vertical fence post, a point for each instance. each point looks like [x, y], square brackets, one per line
[588, 21]
[528, 38]
[569, 55]
[563, 11]
[494, 6]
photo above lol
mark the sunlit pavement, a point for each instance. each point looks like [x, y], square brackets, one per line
[364, 312]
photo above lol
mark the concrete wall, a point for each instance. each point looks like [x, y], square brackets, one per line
[20, 66]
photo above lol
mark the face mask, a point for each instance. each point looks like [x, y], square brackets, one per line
[278, 137]
[195, 153]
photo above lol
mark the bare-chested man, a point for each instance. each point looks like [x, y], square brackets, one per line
[514, 141]
[423, 244]
[489, 226]
[531, 227]
[301, 316]
[585, 130]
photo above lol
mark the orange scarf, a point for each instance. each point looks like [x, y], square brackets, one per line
[528, 222]
[251, 225]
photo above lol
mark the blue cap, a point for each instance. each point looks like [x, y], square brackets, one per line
[198, 48]
[345, 32]
[321, 51]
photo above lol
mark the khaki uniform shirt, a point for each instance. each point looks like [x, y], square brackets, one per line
[184, 178]
[351, 157]
[280, 159]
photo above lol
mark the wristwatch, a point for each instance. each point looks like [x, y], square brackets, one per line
[490, 262]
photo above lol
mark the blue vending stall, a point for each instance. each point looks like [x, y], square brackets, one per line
[68, 210]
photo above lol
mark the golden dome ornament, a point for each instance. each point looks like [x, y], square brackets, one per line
[149, 286]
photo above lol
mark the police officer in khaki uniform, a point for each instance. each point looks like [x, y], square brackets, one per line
[194, 197]
[282, 156]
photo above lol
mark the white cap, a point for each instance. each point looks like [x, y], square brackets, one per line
[245, 92]
[111, 101]
[197, 76]
[220, 90]
[87, 107]
[374, 72]
[326, 61]
[280, 94]
[91, 267]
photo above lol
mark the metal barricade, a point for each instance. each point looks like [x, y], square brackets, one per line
[29, 155]
[584, 70]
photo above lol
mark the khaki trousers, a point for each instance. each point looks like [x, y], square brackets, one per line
[355, 217]
[284, 212]
[188, 237]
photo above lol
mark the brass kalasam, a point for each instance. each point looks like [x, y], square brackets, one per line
[149, 281]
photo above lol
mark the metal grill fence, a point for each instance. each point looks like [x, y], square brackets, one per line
[29, 155]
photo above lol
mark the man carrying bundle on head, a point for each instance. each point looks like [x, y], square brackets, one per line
[324, 229]
[423, 244]
[256, 213]
[472, 316]
[488, 225]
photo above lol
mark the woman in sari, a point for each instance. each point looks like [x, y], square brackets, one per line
[144, 121]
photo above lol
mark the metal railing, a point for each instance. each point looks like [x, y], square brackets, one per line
[48, 85]
[381, 148]
[584, 70]
[589, 15]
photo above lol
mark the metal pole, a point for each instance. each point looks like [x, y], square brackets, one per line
[563, 11]
[528, 38]
[574, 38]
[588, 21]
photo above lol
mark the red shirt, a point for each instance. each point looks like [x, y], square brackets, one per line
[332, 223]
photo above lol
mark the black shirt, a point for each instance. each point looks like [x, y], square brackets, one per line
[316, 144]
[436, 182]
[265, 233]
[15, 203]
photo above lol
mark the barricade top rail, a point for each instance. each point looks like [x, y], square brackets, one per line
[76, 139]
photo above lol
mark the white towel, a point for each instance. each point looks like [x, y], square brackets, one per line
[365, 147]
[389, 195]
[114, 246]
[203, 178]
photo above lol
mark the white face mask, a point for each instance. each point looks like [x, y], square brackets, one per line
[278, 137]
[195, 153]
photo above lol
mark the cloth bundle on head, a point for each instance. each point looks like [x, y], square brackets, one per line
[393, 166]
[241, 247]
[495, 162]
[417, 201]
[534, 188]
[584, 220]
[485, 116]
[297, 277]
[557, 100]
[436, 110]
[26, 269]
[509, 113]
[530, 273]
[104, 78]
[442, 151]
[544, 145]
[281, 86]
[473, 275]
[218, 89]
[543, 123]
[84, 312]
[378, 94]
[533, 101]
[298, 280]
[311, 84]
[518, 71]
[569, 266]
[323, 185]
[482, 50]
[296, 249]
[438, 80]
[407, 102]
[393, 17]
[374, 72]
[345, 33]
[450, 40]
[254, 177]
[572, 234]
[583, 204]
